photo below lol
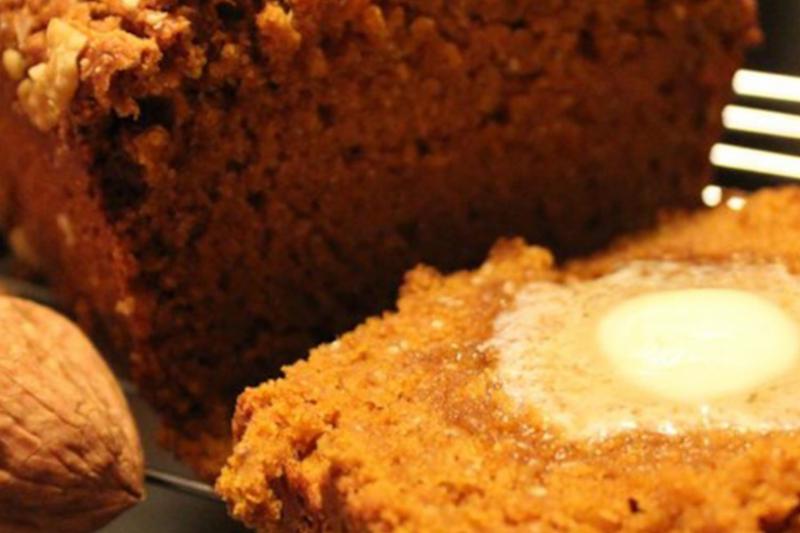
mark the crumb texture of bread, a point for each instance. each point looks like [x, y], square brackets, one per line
[399, 425]
[216, 186]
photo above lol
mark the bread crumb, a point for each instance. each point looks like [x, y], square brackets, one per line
[126, 306]
[65, 225]
[22, 249]
[278, 34]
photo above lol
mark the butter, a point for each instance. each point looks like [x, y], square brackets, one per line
[698, 344]
[659, 347]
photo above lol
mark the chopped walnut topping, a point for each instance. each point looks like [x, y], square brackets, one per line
[155, 18]
[50, 86]
[23, 23]
[14, 64]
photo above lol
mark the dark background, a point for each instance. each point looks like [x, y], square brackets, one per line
[779, 53]
[781, 50]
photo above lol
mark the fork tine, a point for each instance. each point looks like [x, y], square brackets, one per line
[766, 85]
[767, 123]
[750, 120]
[739, 158]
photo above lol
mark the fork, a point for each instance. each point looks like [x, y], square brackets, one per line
[762, 140]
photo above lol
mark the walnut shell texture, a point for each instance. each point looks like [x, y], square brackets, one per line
[70, 455]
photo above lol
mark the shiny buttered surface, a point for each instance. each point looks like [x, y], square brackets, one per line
[657, 346]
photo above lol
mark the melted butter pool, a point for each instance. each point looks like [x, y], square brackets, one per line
[657, 346]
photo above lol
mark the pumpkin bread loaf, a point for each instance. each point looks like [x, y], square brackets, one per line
[216, 186]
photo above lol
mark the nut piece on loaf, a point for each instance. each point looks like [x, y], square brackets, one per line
[418, 421]
[217, 186]
[71, 458]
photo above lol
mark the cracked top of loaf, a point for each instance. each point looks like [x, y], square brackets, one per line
[96, 56]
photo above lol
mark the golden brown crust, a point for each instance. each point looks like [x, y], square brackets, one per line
[400, 426]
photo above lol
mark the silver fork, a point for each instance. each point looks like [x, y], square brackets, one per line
[757, 122]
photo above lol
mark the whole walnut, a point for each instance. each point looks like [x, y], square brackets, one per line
[70, 455]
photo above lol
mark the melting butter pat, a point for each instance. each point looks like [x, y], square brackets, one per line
[660, 347]
[698, 344]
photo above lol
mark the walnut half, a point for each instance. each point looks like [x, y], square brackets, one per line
[70, 455]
